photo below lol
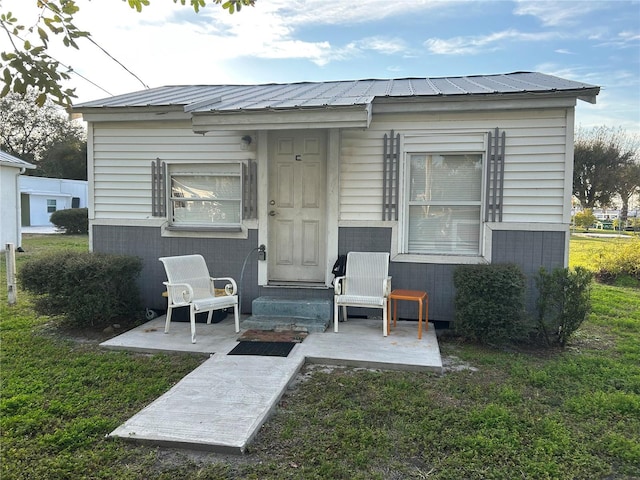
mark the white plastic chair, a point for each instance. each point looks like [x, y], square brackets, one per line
[365, 284]
[189, 284]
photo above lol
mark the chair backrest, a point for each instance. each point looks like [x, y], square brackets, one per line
[366, 272]
[191, 269]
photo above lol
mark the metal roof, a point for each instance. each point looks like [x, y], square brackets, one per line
[11, 161]
[229, 98]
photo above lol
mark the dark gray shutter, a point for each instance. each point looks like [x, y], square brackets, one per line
[250, 190]
[158, 188]
[390, 176]
[495, 176]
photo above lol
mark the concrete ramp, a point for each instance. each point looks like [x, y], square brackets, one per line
[220, 406]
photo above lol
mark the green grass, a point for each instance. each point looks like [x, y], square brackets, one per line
[570, 414]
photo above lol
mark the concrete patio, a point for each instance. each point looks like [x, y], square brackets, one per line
[222, 404]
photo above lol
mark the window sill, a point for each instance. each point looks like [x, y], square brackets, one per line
[204, 232]
[440, 259]
[177, 228]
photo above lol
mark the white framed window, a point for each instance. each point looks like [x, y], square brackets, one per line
[205, 195]
[443, 203]
[51, 205]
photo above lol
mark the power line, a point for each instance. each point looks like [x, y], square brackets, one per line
[118, 62]
[68, 67]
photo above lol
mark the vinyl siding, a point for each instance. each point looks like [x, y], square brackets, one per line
[123, 153]
[534, 185]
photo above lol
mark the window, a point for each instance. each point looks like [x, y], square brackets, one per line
[51, 205]
[206, 196]
[444, 195]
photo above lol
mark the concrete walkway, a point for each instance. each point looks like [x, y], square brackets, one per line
[222, 404]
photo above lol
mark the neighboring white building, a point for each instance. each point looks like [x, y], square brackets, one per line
[40, 197]
[11, 169]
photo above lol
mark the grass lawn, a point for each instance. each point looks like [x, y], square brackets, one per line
[505, 414]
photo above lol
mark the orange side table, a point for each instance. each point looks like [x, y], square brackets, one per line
[411, 295]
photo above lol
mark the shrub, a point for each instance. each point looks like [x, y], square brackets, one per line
[489, 302]
[71, 221]
[563, 303]
[87, 288]
[624, 260]
[584, 219]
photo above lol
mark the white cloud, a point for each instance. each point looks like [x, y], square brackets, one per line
[469, 45]
[384, 45]
[556, 13]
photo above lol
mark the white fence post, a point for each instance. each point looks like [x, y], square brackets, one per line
[10, 255]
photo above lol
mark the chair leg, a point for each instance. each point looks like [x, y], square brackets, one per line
[385, 319]
[344, 313]
[336, 312]
[166, 324]
[192, 316]
[209, 317]
[237, 318]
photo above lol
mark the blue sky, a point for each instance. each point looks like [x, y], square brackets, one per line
[596, 42]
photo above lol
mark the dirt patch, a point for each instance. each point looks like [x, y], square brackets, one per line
[85, 335]
[452, 363]
[272, 336]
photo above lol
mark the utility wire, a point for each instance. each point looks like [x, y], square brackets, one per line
[71, 70]
[68, 67]
[118, 62]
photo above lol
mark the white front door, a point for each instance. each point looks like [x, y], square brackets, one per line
[297, 206]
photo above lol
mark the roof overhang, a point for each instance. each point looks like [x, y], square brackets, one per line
[352, 116]
[488, 102]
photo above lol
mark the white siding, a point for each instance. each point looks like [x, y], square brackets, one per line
[534, 186]
[122, 156]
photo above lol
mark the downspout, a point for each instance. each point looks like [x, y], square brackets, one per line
[19, 209]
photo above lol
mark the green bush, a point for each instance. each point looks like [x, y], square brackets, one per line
[71, 221]
[563, 303]
[86, 288]
[489, 303]
[623, 261]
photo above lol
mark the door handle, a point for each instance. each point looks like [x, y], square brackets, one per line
[272, 213]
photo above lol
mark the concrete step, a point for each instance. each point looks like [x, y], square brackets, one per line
[298, 324]
[279, 313]
[294, 307]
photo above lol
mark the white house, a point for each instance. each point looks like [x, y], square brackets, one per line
[436, 171]
[40, 197]
[11, 169]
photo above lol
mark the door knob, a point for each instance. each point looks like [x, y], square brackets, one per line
[272, 213]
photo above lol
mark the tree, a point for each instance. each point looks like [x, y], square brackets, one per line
[627, 185]
[65, 159]
[28, 66]
[600, 154]
[584, 219]
[43, 136]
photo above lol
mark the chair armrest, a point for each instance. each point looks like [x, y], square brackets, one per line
[337, 285]
[230, 288]
[386, 286]
[179, 293]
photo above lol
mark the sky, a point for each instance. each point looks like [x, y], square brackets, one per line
[283, 41]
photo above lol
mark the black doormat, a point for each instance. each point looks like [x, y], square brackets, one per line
[264, 349]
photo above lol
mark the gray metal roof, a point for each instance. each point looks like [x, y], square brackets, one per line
[11, 161]
[229, 98]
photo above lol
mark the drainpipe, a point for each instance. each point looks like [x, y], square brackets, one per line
[19, 209]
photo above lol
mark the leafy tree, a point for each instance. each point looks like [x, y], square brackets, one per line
[584, 219]
[28, 66]
[65, 159]
[627, 185]
[600, 154]
[43, 136]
